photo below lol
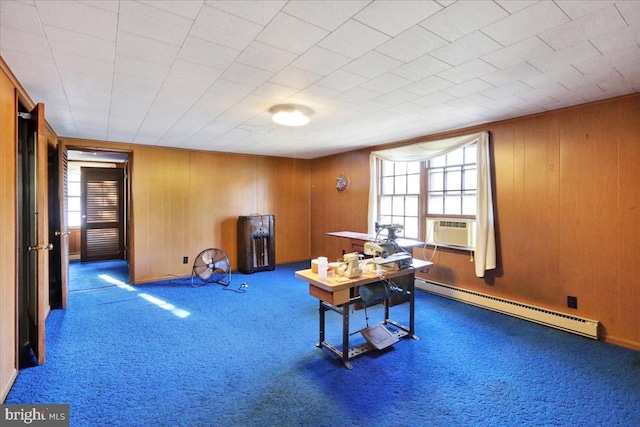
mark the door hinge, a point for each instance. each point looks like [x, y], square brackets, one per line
[26, 116]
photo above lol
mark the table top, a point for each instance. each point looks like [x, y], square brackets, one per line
[337, 283]
[401, 241]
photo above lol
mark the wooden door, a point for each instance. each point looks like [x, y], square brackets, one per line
[102, 225]
[58, 226]
[33, 241]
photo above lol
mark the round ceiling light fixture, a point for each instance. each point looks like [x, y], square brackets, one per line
[290, 114]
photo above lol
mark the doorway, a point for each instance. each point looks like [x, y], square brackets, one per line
[72, 159]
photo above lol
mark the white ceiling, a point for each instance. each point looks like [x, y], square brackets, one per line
[203, 74]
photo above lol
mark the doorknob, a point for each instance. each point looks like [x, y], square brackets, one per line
[48, 247]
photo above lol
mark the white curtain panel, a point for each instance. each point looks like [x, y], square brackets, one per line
[485, 250]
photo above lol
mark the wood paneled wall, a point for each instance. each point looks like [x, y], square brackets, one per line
[186, 201]
[567, 204]
[8, 277]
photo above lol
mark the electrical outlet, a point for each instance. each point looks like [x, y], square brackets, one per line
[572, 302]
[185, 260]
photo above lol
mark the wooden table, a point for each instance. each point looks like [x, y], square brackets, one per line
[338, 293]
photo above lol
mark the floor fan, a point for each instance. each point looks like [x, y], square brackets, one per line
[211, 266]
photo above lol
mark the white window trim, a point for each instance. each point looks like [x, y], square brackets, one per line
[485, 251]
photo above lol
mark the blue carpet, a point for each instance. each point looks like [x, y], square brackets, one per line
[94, 275]
[166, 354]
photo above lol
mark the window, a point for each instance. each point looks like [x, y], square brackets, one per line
[411, 192]
[74, 192]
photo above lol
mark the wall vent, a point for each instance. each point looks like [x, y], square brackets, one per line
[554, 319]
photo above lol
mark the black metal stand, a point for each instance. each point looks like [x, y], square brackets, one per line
[347, 353]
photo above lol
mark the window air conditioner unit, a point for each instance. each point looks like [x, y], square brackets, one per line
[456, 232]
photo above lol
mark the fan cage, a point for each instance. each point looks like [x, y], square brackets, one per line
[211, 266]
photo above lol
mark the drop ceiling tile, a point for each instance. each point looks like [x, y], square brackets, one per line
[295, 78]
[577, 9]
[404, 108]
[62, 40]
[435, 99]
[421, 68]
[265, 57]
[526, 23]
[386, 83]
[372, 64]
[468, 100]
[82, 64]
[217, 26]
[397, 97]
[467, 71]
[517, 52]
[146, 49]
[150, 22]
[320, 61]
[358, 95]
[188, 70]
[604, 21]
[370, 106]
[246, 75]
[564, 57]
[412, 44]
[428, 85]
[563, 76]
[394, 17]
[20, 16]
[328, 15]
[507, 90]
[76, 81]
[260, 12]
[275, 91]
[630, 10]
[353, 39]
[626, 63]
[136, 87]
[462, 18]
[231, 89]
[465, 49]
[616, 41]
[79, 17]
[281, 30]
[25, 43]
[207, 53]
[187, 9]
[468, 88]
[135, 67]
[341, 80]
[317, 93]
[511, 74]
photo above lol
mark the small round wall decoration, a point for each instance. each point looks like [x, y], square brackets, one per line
[342, 182]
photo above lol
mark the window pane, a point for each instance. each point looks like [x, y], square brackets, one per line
[413, 184]
[398, 205]
[411, 227]
[385, 206]
[439, 161]
[400, 185]
[469, 204]
[413, 167]
[454, 179]
[73, 204]
[436, 204]
[73, 188]
[387, 185]
[436, 180]
[387, 168]
[73, 219]
[401, 169]
[411, 206]
[452, 205]
[455, 157]
[470, 179]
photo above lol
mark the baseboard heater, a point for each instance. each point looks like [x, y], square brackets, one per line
[554, 319]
